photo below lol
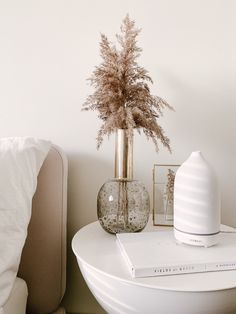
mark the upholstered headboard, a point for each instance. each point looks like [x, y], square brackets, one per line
[43, 263]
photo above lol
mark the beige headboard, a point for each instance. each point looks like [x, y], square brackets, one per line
[43, 263]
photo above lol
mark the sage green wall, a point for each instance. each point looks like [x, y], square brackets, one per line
[49, 47]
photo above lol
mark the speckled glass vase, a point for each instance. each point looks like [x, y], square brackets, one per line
[123, 203]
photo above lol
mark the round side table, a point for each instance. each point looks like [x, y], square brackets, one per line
[108, 278]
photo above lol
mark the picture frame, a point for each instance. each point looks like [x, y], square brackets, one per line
[163, 193]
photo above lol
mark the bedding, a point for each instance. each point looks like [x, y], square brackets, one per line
[16, 303]
[20, 161]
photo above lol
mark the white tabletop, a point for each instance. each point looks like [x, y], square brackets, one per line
[98, 249]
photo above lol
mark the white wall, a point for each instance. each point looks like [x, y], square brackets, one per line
[49, 47]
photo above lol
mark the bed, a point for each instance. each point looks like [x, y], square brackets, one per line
[41, 279]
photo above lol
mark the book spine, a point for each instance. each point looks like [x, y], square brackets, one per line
[183, 269]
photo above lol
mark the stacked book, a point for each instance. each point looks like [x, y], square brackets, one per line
[157, 254]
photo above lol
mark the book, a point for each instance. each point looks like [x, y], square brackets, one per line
[157, 253]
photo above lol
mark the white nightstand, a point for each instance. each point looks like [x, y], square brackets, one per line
[110, 282]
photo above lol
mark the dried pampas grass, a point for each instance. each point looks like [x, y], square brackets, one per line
[122, 96]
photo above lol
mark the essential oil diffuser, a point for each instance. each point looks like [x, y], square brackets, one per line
[196, 203]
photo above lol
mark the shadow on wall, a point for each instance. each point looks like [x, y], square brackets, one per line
[86, 176]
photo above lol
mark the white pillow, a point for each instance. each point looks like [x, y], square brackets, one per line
[20, 161]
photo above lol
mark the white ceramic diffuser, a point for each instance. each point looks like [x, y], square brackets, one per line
[196, 203]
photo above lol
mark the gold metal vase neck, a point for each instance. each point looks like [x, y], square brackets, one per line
[123, 155]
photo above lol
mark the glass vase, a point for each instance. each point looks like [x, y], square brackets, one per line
[123, 203]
